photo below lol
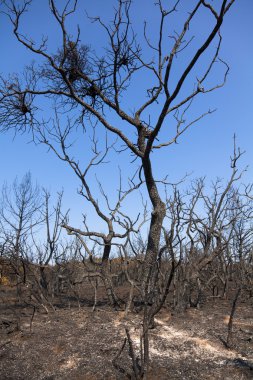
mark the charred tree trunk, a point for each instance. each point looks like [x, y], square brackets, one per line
[150, 271]
[229, 342]
[106, 276]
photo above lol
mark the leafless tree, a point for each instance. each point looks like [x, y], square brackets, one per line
[47, 252]
[91, 88]
[19, 212]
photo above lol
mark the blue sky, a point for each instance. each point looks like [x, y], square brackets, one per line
[203, 150]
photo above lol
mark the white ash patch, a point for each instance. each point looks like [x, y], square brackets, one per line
[70, 363]
[199, 347]
[168, 342]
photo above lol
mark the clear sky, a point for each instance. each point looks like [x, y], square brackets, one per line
[203, 150]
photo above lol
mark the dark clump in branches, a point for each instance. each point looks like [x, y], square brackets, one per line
[74, 61]
[17, 107]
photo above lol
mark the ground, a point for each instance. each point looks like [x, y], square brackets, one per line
[75, 343]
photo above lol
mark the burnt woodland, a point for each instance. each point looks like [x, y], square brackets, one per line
[161, 292]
